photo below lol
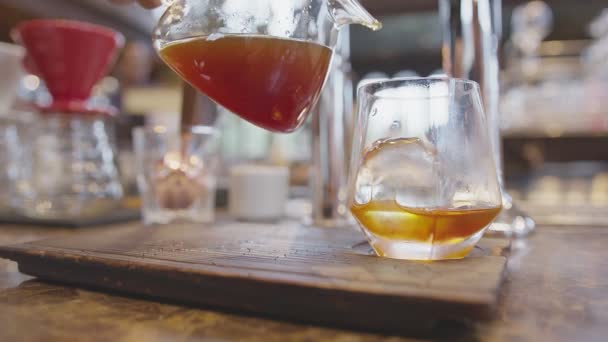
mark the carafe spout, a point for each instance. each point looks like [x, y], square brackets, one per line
[346, 12]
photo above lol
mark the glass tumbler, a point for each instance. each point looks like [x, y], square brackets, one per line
[177, 173]
[423, 184]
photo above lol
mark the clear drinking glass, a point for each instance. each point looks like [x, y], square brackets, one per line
[423, 183]
[177, 173]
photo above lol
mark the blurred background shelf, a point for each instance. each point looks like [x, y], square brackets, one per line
[410, 38]
[132, 21]
[538, 129]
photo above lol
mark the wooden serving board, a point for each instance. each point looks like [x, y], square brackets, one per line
[288, 271]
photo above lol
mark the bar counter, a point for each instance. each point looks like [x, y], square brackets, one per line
[556, 290]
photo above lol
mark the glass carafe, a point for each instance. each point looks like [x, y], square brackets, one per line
[264, 60]
[68, 167]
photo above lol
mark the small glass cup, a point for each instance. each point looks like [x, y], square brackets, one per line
[177, 173]
[423, 182]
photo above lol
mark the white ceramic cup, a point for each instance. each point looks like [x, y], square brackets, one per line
[10, 73]
[258, 192]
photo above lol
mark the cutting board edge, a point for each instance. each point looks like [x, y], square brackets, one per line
[19, 252]
[413, 315]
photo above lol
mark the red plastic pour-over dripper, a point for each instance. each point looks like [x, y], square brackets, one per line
[71, 57]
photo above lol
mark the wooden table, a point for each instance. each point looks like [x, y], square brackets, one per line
[557, 290]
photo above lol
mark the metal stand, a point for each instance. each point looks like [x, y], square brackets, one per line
[471, 37]
[330, 141]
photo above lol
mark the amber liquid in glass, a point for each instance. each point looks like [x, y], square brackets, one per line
[270, 82]
[445, 226]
